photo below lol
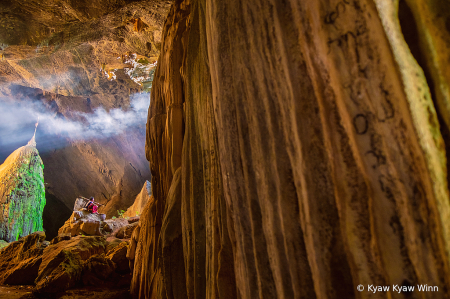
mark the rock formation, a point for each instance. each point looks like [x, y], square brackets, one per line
[22, 193]
[56, 266]
[86, 223]
[296, 151]
[140, 201]
[75, 58]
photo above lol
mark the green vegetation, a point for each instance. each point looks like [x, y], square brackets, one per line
[120, 213]
[143, 61]
[26, 199]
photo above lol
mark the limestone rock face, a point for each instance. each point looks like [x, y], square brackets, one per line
[81, 56]
[97, 269]
[119, 256]
[62, 263]
[309, 149]
[20, 261]
[113, 225]
[140, 201]
[22, 193]
[65, 262]
[126, 231]
[82, 222]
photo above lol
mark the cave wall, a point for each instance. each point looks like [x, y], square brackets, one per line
[77, 56]
[308, 148]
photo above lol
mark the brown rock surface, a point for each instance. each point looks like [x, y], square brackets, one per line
[143, 251]
[131, 251]
[133, 219]
[113, 225]
[311, 154]
[119, 256]
[62, 263]
[140, 201]
[126, 231]
[82, 222]
[20, 261]
[81, 56]
[112, 242]
[97, 269]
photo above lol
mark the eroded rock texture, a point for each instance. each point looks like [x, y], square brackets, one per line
[56, 266]
[74, 57]
[309, 152]
[140, 201]
[22, 193]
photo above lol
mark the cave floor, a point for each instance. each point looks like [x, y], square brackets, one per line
[26, 292]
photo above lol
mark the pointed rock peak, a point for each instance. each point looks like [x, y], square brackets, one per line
[32, 141]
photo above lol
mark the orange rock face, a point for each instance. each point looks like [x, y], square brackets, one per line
[310, 158]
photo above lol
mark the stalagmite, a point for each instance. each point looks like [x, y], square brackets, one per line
[22, 193]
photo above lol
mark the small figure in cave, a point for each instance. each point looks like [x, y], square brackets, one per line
[2, 56]
[103, 67]
[91, 206]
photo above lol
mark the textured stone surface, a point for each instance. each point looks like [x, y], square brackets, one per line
[96, 270]
[311, 153]
[77, 57]
[61, 237]
[119, 256]
[113, 225]
[82, 222]
[131, 251]
[62, 263]
[22, 193]
[143, 251]
[140, 201]
[126, 231]
[54, 267]
[20, 261]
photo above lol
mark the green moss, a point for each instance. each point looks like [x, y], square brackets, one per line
[26, 200]
[143, 61]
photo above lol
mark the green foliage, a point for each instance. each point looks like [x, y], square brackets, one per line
[120, 213]
[113, 217]
[26, 199]
[143, 61]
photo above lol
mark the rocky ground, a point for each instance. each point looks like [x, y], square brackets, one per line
[28, 292]
[95, 265]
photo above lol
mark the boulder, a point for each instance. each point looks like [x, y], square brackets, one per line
[140, 201]
[119, 256]
[62, 263]
[79, 203]
[82, 222]
[59, 273]
[22, 193]
[90, 228]
[112, 243]
[126, 231]
[133, 219]
[97, 269]
[20, 260]
[113, 225]
[60, 238]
